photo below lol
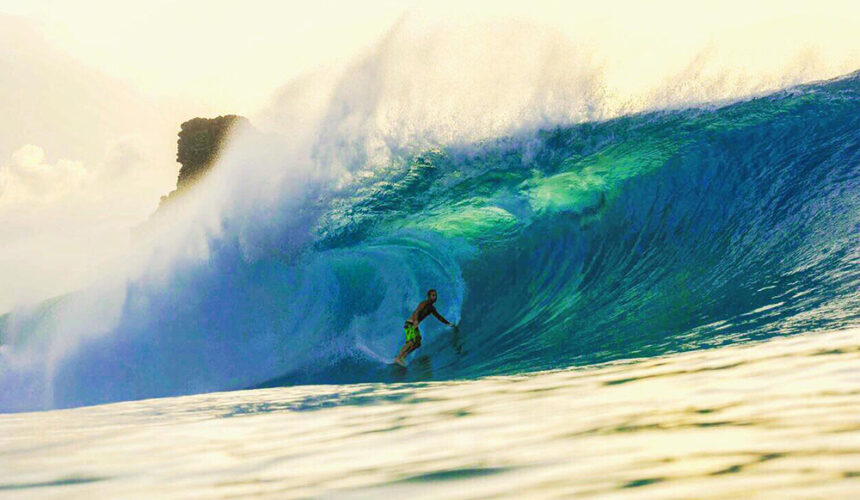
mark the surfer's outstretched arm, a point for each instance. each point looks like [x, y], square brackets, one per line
[434, 312]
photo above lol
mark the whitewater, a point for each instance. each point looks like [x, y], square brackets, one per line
[661, 304]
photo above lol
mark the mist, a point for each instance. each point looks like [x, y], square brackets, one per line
[83, 158]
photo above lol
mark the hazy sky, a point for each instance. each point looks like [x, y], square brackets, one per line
[93, 91]
[227, 56]
[222, 56]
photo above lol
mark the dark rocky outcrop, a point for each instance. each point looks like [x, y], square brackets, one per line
[200, 142]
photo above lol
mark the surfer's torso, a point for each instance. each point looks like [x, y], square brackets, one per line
[424, 309]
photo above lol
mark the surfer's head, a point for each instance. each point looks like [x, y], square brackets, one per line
[431, 295]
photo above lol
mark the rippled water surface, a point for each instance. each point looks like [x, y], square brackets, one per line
[778, 419]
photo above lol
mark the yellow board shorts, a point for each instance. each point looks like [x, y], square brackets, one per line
[412, 333]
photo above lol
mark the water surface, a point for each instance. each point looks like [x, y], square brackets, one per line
[777, 419]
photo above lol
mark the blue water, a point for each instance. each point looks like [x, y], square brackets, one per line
[634, 237]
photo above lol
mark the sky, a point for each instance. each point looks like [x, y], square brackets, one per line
[93, 91]
[223, 56]
[216, 56]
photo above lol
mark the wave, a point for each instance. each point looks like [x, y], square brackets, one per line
[637, 236]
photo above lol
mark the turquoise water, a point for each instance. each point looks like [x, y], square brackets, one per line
[635, 237]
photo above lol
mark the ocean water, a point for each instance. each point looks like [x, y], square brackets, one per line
[774, 419]
[635, 237]
[662, 305]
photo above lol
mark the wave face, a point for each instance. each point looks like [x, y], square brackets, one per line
[638, 236]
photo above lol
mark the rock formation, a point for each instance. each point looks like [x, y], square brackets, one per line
[200, 142]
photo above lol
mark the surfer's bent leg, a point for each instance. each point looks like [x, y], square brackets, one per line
[413, 341]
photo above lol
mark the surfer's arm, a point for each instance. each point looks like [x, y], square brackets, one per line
[434, 312]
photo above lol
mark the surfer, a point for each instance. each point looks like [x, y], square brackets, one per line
[413, 335]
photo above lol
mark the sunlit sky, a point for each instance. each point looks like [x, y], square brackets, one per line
[230, 56]
[226, 56]
[93, 91]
